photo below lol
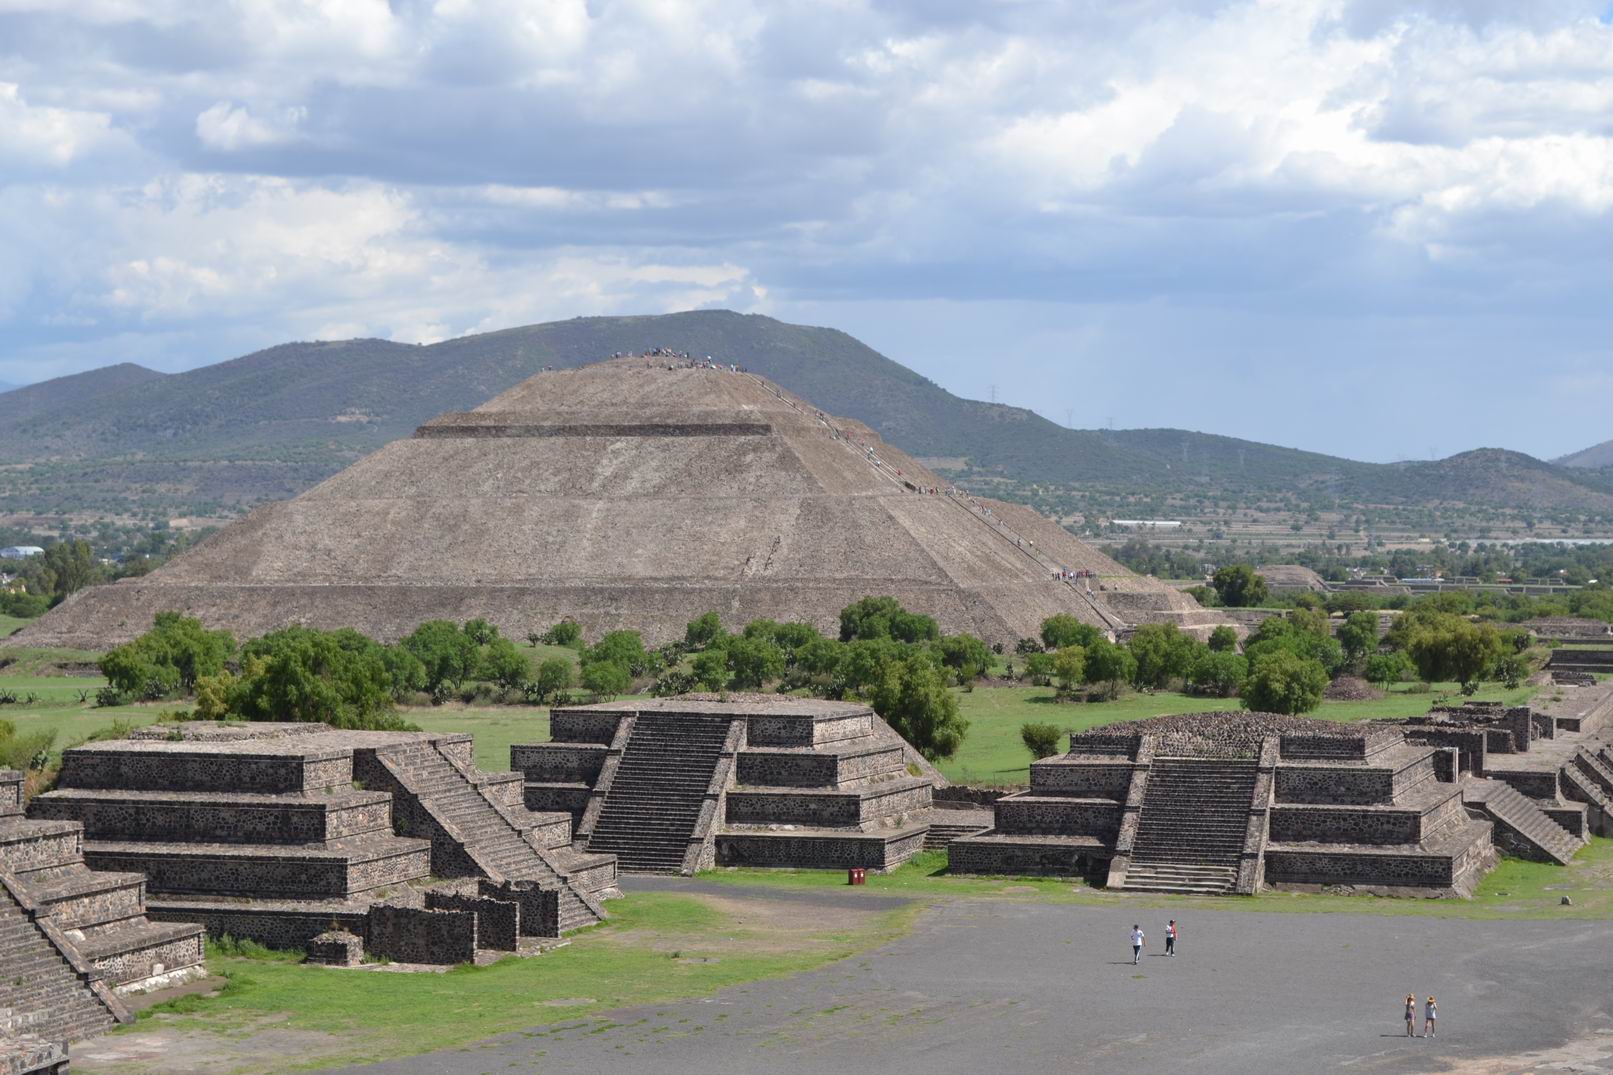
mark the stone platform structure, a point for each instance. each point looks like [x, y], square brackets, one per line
[281, 832]
[28, 1055]
[101, 914]
[678, 785]
[1231, 802]
[634, 493]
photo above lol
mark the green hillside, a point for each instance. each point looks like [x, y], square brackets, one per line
[264, 426]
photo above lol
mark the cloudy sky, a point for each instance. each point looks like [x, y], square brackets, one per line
[1372, 228]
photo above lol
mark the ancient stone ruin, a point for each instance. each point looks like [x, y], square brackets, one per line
[1233, 802]
[282, 833]
[628, 495]
[678, 785]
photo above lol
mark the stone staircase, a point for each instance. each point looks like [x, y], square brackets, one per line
[1525, 821]
[1192, 825]
[490, 834]
[948, 825]
[101, 914]
[46, 989]
[656, 802]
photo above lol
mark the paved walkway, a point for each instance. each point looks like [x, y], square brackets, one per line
[1011, 987]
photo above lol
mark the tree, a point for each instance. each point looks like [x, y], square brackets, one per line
[408, 675]
[820, 658]
[967, 655]
[504, 663]
[710, 670]
[702, 631]
[554, 675]
[1358, 634]
[565, 633]
[1224, 638]
[302, 674]
[625, 648]
[864, 662]
[1162, 653]
[1284, 682]
[1386, 668]
[603, 678]
[912, 697]
[1042, 740]
[1447, 646]
[480, 631]
[1217, 672]
[1239, 586]
[1297, 637]
[72, 566]
[447, 654]
[754, 662]
[1070, 668]
[167, 659]
[1063, 629]
[1111, 665]
[884, 617]
[1039, 668]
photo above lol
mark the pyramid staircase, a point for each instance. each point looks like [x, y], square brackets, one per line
[949, 825]
[48, 989]
[1192, 825]
[654, 812]
[101, 914]
[1519, 816]
[502, 842]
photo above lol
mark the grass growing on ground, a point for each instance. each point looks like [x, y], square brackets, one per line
[655, 948]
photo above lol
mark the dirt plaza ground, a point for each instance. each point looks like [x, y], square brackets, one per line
[981, 985]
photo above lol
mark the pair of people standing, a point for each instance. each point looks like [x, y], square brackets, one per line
[1138, 939]
[1430, 1013]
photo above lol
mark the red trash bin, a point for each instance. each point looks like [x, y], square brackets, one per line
[856, 875]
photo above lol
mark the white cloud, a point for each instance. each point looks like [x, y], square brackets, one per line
[228, 127]
[53, 137]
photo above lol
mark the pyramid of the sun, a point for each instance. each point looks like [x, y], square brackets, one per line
[627, 494]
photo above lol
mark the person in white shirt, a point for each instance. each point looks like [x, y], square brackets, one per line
[1170, 938]
[1430, 1013]
[1136, 944]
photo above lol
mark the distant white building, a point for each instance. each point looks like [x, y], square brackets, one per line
[20, 552]
[1147, 524]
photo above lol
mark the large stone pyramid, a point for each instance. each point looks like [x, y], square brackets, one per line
[637, 492]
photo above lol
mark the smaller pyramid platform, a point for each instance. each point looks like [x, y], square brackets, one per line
[678, 785]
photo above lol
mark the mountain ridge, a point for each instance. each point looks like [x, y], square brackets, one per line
[264, 425]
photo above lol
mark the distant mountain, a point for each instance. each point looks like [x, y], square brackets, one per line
[6, 386]
[269, 424]
[1598, 455]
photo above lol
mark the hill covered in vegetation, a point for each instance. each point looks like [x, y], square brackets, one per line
[221, 438]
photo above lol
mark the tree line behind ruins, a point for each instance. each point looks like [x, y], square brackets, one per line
[896, 660]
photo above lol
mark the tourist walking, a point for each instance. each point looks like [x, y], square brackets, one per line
[1430, 1013]
[1170, 938]
[1137, 950]
[1411, 1015]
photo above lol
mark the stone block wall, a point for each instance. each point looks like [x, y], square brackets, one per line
[10, 792]
[89, 767]
[1471, 744]
[498, 922]
[581, 726]
[849, 809]
[336, 948]
[559, 762]
[1536, 784]
[766, 768]
[1091, 780]
[870, 851]
[538, 909]
[800, 731]
[417, 935]
[283, 821]
[1020, 815]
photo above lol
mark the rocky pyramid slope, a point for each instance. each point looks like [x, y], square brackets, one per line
[637, 493]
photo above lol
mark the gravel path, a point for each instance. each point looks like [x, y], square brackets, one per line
[1013, 987]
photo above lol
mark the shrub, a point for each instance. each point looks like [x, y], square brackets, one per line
[1042, 740]
[603, 678]
[1217, 672]
[553, 676]
[167, 659]
[754, 662]
[1064, 629]
[565, 633]
[710, 670]
[1283, 682]
[1069, 668]
[1224, 638]
[882, 618]
[702, 631]
[672, 682]
[912, 697]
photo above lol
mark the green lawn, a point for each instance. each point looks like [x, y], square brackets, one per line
[10, 625]
[654, 948]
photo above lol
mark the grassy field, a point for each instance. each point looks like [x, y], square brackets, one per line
[655, 948]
